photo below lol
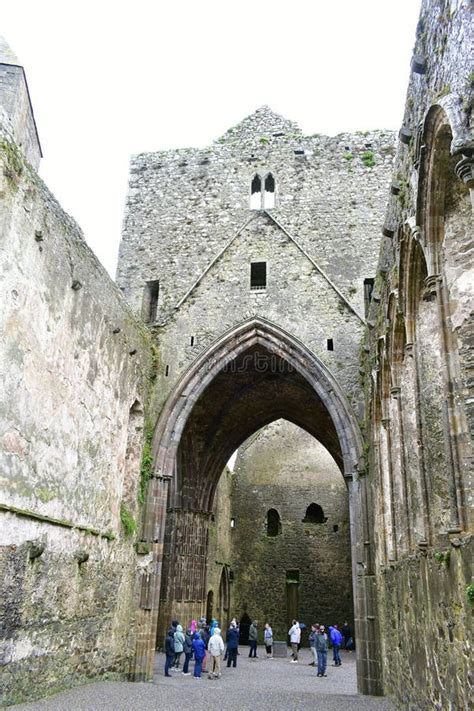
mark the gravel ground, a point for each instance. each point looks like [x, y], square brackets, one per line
[256, 684]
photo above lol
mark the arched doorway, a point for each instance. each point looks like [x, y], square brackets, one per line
[209, 606]
[251, 377]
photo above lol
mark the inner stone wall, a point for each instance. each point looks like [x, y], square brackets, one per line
[284, 468]
[418, 378]
[74, 364]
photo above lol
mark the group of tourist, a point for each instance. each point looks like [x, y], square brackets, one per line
[205, 643]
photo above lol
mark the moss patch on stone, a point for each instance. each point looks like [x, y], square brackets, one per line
[129, 524]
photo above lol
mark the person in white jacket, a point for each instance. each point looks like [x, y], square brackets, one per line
[215, 649]
[295, 638]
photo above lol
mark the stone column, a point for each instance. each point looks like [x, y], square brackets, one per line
[149, 582]
[436, 407]
[401, 501]
[408, 400]
[369, 671]
[183, 591]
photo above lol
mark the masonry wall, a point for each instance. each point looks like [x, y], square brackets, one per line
[188, 225]
[418, 382]
[284, 468]
[184, 206]
[74, 364]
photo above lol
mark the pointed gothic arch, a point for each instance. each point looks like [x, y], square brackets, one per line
[267, 373]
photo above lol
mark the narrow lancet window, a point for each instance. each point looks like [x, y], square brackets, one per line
[269, 195]
[256, 193]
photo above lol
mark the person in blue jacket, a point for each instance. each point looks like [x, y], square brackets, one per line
[233, 635]
[336, 640]
[199, 649]
[169, 650]
[214, 624]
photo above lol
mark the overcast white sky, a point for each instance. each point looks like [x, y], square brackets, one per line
[108, 79]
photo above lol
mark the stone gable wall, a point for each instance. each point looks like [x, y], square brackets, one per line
[184, 206]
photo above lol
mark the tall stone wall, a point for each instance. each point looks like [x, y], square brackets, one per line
[74, 364]
[418, 380]
[284, 468]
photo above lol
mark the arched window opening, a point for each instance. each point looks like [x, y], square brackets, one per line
[273, 523]
[269, 195]
[256, 193]
[315, 514]
[133, 456]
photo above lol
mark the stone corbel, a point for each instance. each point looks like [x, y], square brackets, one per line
[465, 170]
[431, 283]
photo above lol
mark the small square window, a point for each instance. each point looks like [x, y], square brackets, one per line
[258, 276]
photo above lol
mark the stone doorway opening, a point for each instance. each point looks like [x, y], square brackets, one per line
[300, 569]
[253, 376]
[210, 606]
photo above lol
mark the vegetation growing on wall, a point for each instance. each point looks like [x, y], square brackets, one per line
[146, 465]
[12, 163]
[129, 524]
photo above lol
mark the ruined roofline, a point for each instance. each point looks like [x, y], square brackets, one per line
[388, 135]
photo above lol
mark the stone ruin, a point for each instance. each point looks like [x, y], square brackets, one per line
[303, 300]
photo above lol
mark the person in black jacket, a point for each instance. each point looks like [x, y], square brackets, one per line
[169, 650]
[188, 651]
[232, 644]
[346, 633]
